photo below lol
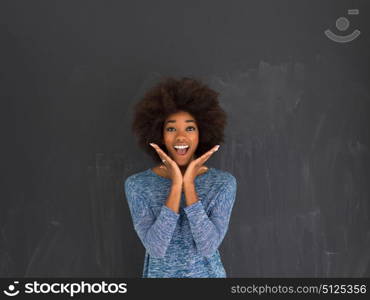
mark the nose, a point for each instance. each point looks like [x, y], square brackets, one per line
[180, 139]
[181, 134]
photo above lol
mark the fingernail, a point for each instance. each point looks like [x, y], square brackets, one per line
[151, 144]
[218, 146]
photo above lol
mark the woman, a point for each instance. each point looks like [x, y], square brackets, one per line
[180, 208]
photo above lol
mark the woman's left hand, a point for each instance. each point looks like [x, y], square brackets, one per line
[196, 165]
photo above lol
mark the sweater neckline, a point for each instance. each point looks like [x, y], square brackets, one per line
[168, 179]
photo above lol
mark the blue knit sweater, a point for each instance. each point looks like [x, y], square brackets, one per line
[184, 244]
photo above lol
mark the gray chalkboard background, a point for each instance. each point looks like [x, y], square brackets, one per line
[297, 139]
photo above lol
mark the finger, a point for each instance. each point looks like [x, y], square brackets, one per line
[161, 153]
[203, 169]
[208, 154]
[165, 158]
[164, 168]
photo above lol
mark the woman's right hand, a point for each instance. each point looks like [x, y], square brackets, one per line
[171, 166]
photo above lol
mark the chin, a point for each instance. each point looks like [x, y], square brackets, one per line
[182, 162]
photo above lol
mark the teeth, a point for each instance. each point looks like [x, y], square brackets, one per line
[181, 147]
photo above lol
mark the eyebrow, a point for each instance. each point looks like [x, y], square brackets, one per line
[174, 121]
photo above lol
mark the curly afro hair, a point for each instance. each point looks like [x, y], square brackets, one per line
[171, 96]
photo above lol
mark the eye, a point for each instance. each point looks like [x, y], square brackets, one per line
[169, 128]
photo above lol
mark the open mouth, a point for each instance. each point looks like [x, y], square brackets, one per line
[181, 150]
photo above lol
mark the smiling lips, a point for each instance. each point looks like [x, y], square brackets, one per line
[181, 149]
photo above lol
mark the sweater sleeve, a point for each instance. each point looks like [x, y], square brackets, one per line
[154, 232]
[208, 232]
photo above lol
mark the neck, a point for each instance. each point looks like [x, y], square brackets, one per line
[183, 168]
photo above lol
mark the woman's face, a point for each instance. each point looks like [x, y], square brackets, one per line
[180, 129]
